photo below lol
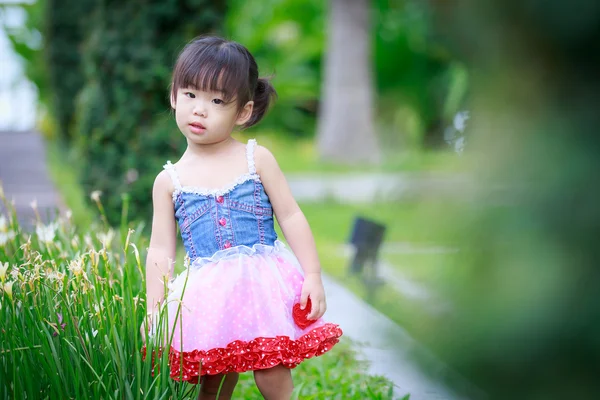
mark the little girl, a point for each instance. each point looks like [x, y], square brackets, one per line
[245, 302]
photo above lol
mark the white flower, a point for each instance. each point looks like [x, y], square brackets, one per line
[46, 233]
[3, 268]
[34, 204]
[95, 195]
[93, 257]
[3, 233]
[460, 120]
[88, 240]
[8, 288]
[69, 214]
[54, 275]
[76, 267]
[99, 307]
[106, 238]
[6, 236]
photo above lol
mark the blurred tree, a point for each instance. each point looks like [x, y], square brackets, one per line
[414, 70]
[64, 31]
[346, 131]
[286, 37]
[526, 311]
[124, 129]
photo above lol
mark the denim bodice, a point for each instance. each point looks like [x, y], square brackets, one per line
[217, 219]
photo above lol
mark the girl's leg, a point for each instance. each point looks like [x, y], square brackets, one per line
[275, 383]
[211, 384]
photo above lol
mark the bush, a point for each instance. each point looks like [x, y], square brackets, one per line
[122, 122]
[64, 30]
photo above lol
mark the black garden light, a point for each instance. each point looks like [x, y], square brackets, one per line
[366, 237]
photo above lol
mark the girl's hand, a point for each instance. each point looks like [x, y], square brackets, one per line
[313, 288]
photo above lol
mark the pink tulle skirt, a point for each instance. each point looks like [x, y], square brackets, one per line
[234, 312]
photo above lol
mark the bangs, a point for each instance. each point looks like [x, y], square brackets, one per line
[213, 67]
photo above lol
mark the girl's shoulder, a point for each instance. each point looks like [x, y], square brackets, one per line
[265, 160]
[164, 182]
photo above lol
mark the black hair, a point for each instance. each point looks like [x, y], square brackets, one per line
[211, 63]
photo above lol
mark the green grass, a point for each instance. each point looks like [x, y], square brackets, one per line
[70, 312]
[300, 155]
[331, 222]
[406, 222]
[423, 269]
[335, 375]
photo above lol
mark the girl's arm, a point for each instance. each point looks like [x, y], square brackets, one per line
[295, 228]
[161, 252]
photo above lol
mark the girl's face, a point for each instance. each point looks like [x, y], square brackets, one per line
[205, 118]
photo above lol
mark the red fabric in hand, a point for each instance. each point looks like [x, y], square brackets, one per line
[300, 316]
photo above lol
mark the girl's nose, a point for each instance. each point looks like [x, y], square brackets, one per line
[200, 109]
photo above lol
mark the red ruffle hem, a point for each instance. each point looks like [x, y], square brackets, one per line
[259, 353]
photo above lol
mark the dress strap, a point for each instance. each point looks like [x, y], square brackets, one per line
[170, 168]
[250, 156]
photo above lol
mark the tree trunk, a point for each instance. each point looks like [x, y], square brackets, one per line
[345, 131]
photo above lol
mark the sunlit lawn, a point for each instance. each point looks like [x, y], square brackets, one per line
[408, 225]
[300, 155]
[420, 268]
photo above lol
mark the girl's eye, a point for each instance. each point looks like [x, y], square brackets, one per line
[190, 95]
[218, 101]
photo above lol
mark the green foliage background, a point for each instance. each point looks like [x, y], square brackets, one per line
[525, 317]
[104, 68]
[122, 126]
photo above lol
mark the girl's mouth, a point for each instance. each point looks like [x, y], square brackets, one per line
[197, 128]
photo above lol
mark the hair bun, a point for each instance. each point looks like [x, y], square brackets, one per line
[264, 95]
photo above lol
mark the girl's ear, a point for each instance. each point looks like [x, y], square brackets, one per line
[245, 113]
[173, 103]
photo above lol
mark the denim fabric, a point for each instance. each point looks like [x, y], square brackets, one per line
[213, 220]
